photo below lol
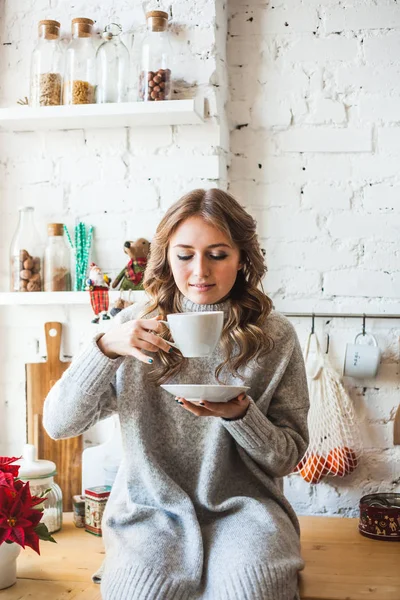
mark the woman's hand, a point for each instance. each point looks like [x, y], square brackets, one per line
[131, 337]
[234, 409]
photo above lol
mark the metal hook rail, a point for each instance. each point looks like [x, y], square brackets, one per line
[362, 316]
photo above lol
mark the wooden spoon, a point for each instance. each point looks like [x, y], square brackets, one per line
[396, 428]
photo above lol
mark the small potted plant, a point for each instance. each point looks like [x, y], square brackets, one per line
[20, 516]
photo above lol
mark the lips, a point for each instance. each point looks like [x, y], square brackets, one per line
[202, 286]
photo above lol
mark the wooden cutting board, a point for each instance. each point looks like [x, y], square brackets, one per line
[67, 454]
[396, 428]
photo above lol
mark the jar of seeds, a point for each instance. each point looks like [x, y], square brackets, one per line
[80, 65]
[155, 73]
[47, 66]
[26, 254]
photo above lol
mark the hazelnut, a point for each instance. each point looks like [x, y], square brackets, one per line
[157, 79]
[33, 287]
[25, 274]
[23, 285]
[23, 255]
[28, 263]
[35, 277]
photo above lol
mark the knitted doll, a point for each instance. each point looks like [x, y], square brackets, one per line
[131, 276]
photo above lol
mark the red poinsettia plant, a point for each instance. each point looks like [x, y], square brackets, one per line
[20, 512]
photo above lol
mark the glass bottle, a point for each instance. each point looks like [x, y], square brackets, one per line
[47, 66]
[112, 62]
[26, 254]
[40, 474]
[80, 64]
[155, 74]
[57, 261]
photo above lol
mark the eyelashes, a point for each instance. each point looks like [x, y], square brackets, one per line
[212, 256]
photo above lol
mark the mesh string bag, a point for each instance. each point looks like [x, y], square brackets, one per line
[335, 446]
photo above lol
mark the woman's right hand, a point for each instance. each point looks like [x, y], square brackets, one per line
[131, 337]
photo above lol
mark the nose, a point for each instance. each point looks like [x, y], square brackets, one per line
[201, 267]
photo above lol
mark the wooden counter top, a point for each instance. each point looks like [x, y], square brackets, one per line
[340, 565]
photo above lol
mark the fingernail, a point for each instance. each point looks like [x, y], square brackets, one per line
[150, 360]
[179, 402]
[201, 403]
[170, 349]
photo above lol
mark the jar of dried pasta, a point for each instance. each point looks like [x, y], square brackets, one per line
[80, 64]
[47, 66]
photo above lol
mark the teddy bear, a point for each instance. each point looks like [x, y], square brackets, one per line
[131, 276]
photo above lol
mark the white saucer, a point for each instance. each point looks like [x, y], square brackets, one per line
[210, 393]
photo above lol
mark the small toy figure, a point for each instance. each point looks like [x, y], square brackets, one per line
[131, 276]
[98, 284]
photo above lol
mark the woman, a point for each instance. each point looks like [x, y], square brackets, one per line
[197, 509]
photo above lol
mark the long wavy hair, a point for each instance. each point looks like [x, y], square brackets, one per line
[243, 337]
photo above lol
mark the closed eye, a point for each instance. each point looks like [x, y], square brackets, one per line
[212, 256]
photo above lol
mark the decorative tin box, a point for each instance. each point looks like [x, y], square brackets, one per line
[95, 502]
[380, 517]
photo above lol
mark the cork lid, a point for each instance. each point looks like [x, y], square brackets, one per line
[55, 229]
[82, 27]
[48, 29]
[157, 20]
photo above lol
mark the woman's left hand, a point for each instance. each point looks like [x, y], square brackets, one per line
[234, 409]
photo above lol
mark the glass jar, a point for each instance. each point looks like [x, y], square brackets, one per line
[57, 260]
[80, 65]
[112, 63]
[40, 474]
[155, 74]
[47, 66]
[26, 254]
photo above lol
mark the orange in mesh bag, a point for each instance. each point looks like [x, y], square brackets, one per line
[335, 447]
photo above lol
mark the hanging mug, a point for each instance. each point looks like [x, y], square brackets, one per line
[362, 360]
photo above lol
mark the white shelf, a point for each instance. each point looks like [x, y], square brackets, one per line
[85, 116]
[63, 298]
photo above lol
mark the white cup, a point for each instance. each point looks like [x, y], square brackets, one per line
[195, 334]
[362, 360]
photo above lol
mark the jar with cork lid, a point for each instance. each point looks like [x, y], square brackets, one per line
[47, 66]
[26, 254]
[57, 261]
[156, 58]
[80, 64]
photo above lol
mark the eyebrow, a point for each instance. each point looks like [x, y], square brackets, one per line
[211, 246]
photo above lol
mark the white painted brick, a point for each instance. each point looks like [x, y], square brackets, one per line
[78, 170]
[283, 223]
[389, 140]
[239, 113]
[149, 139]
[382, 48]
[354, 282]
[373, 168]
[263, 20]
[33, 171]
[253, 142]
[46, 198]
[320, 255]
[321, 50]
[198, 136]
[273, 112]
[251, 193]
[114, 168]
[376, 256]
[57, 144]
[322, 139]
[322, 197]
[274, 170]
[379, 108]
[370, 79]
[294, 282]
[359, 226]
[106, 141]
[382, 198]
[327, 111]
[367, 15]
[206, 167]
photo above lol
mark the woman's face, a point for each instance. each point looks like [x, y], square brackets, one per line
[203, 260]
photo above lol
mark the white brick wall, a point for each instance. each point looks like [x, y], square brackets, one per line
[121, 181]
[313, 111]
[314, 115]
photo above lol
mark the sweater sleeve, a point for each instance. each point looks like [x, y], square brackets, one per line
[84, 395]
[277, 438]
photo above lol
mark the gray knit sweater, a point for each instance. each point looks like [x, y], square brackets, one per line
[197, 509]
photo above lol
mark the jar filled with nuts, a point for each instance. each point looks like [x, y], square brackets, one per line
[80, 65]
[47, 66]
[155, 73]
[57, 261]
[26, 254]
